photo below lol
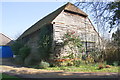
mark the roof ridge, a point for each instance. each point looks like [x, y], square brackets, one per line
[41, 21]
[50, 17]
[75, 9]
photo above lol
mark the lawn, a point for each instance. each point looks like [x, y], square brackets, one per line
[7, 77]
[85, 68]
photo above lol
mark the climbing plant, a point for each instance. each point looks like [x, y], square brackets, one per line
[71, 40]
[45, 42]
[70, 36]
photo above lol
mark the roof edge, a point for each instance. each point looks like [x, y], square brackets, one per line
[6, 36]
[47, 19]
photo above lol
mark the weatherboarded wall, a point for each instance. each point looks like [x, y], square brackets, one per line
[46, 36]
[73, 22]
[64, 22]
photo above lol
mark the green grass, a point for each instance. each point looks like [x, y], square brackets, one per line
[85, 68]
[7, 77]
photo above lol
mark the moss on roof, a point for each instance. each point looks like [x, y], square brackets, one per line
[49, 18]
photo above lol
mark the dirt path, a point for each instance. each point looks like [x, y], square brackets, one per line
[24, 72]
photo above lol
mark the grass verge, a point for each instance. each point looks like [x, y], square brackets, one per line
[8, 77]
[85, 68]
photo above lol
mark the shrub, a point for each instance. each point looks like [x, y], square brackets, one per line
[112, 56]
[66, 63]
[71, 36]
[21, 52]
[45, 42]
[18, 60]
[44, 65]
[116, 63]
[32, 59]
[97, 56]
[69, 62]
[88, 58]
[16, 47]
[24, 52]
[112, 53]
[76, 63]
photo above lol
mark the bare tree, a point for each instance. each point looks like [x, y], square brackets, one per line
[105, 14]
[17, 35]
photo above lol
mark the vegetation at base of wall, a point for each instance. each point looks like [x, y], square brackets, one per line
[112, 55]
[44, 48]
[18, 60]
[97, 55]
[21, 51]
[24, 52]
[91, 58]
[16, 47]
[82, 67]
[45, 42]
[85, 68]
[109, 55]
[41, 65]
[71, 62]
[71, 37]
[112, 50]
[79, 58]
[116, 63]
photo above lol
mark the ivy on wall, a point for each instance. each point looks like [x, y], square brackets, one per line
[74, 57]
[70, 36]
[45, 41]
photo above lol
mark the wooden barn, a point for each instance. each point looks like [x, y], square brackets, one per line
[45, 36]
